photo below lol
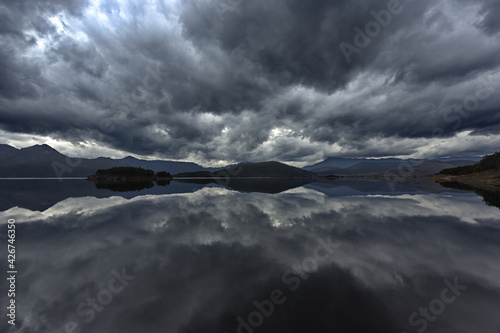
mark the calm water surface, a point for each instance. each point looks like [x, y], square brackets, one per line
[344, 256]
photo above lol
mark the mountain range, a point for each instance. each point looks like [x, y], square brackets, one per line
[253, 170]
[364, 166]
[44, 161]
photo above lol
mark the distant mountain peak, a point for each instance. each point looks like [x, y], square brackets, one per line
[129, 158]
[42, 147]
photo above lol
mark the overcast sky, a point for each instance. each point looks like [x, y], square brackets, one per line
[216, 81]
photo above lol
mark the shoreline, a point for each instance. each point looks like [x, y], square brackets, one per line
[486, 180]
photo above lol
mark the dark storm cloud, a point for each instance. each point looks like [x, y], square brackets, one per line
[489, 22]
[17, 76]
[21, 17]
[295, 51]
[238, 83]
[82, 58]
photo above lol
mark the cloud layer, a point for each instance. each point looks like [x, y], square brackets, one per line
[233, 81]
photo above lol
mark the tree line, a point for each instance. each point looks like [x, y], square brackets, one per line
[488, 162]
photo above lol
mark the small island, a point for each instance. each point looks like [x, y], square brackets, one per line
[123, 179]
[266, 177]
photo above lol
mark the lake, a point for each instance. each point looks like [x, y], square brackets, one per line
[332, 256]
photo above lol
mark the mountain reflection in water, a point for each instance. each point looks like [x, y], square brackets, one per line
[207, 258]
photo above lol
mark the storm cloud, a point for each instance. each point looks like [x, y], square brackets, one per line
[235, 80]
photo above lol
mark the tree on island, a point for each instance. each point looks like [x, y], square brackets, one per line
[132, 178]
[163, 174]
[125, 172]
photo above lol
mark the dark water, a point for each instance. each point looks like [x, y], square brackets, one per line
[339, 256]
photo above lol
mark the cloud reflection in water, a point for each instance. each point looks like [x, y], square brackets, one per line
[201, 259]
